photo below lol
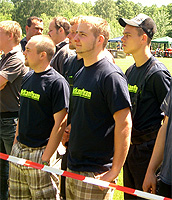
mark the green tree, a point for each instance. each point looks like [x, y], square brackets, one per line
[169, 10]
[46, 19]
[116, 29]
[111, 10]
[88, 8]
[76, 9]
[106, 9]
[24, 9]
[48, 9]
[137, 8]
[6, 8]
[150, 11]
[125, 9]
[69, 10]
[162, 21]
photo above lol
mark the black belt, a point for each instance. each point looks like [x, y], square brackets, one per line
[8, 114]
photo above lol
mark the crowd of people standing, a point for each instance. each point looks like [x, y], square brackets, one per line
[65, 87]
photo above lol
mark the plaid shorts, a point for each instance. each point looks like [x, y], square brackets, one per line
[79, 190]
[29, 183]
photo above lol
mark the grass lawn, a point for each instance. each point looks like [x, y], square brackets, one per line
[124, 63]
[118, 195]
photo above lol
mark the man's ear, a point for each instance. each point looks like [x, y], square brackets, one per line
[42, 55]
[26, 28]
[61, 29]
[101, 39]
[10, 36]
[144, 37]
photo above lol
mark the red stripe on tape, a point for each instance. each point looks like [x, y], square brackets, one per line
[74, 176]
[79, 177]
[4, 156]
[124, 189]
[29, 163]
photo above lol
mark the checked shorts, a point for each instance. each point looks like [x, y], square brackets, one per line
[78, 190]
[28, 183]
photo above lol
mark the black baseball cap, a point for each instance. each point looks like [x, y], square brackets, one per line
[143, 21]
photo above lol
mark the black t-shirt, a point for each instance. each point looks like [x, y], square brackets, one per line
[42, 95]
[148, 111]
[61, 54]
[23, 43]
[71, 66]
[99, 91]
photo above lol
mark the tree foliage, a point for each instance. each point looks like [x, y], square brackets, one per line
[6, 8]
[111, 10]
[169, 10]
[106, 9]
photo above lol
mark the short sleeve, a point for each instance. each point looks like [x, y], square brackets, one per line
[60, 95]
[12, 69]
[116, 92]
[160, 82]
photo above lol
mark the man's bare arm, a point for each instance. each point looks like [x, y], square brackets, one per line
[149, 184]
[122, 138]
[3, 82]
[60, 119]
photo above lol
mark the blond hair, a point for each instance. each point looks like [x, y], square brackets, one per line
[99, 27]
[75, 20]
[12, 27]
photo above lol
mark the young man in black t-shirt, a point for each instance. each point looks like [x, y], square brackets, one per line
[101, 119]
[148, 83]
[42, 119]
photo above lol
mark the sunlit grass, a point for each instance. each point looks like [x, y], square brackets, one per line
[118, 195]
[124, 63]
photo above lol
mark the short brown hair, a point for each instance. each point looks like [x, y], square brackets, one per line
[30, 19]
[14, 28]
[62, 22]
[44, 43]
[141, 32]
[99, 27]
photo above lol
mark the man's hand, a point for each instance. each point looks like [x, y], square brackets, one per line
[108, 176]
[149, 183]
[66, 135]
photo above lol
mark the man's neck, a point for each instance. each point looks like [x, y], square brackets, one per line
[142, 57]
[42, 68]
[62, 40]
[10, 48]
[79, 57]
[93, 58]
[28, 38]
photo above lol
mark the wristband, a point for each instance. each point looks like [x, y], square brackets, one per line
[45, 163]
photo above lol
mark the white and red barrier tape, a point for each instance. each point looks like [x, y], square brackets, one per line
[93, 181]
